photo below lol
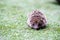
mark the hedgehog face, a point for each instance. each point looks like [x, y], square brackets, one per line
[36, 25]
[36, 22]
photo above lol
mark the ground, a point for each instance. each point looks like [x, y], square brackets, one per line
[13, 17]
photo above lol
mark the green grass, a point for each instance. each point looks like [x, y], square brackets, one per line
[13, 17]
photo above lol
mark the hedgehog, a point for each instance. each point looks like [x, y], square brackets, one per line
[36, 20]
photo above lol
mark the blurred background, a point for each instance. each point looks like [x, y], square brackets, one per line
[13, 17]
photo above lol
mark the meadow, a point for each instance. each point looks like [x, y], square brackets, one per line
[13, 18]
